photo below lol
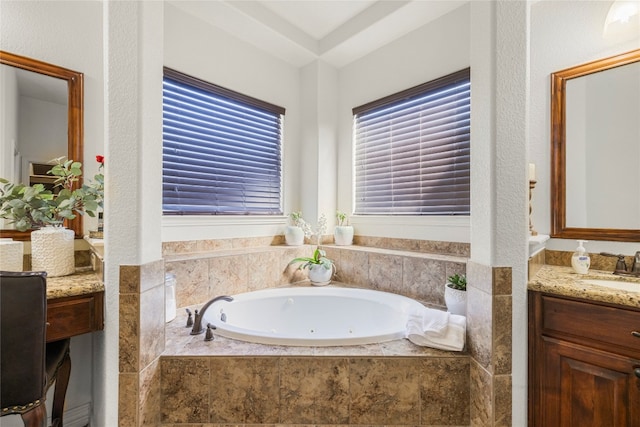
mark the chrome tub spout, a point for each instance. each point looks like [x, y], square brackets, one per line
[197, 323]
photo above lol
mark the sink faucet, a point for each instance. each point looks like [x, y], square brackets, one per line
[621, 265]
[197, 323]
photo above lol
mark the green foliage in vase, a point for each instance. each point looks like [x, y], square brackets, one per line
[457, 281]
[30, 207]
[319, 258]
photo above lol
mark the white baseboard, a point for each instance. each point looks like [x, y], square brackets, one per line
[76, 417]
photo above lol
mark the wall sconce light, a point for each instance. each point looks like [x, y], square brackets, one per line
[620, 13]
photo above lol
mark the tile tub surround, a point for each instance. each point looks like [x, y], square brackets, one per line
[227, 381]
[202, 275]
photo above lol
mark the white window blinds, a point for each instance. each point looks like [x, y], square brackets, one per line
[221, 150]
[412, 150]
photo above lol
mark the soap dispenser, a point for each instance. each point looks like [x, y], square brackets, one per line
[580, 261]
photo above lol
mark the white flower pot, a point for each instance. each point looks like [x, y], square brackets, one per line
[293, 235]
[456, 300]
[52, 251]
[11, 254]
[343, 235]
[320, 276]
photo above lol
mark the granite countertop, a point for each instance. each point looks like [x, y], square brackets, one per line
[83, 281]
[564, 281]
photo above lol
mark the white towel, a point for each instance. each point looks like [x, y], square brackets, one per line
[450, 337]
[430, 321]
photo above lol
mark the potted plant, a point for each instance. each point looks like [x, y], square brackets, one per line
[44, 211]
[343, 232]
[320, 267]
[295, 232]
[455, 294]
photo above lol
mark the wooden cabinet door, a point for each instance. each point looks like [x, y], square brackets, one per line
[584, 387]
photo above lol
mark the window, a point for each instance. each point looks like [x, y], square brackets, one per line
[222, 151]
[412, 150]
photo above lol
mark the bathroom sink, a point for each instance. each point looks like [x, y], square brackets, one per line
[614, 284]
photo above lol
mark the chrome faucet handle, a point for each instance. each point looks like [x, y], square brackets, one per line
[189, 318]
[209, 335]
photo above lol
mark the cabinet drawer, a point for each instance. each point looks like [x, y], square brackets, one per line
[601, 324]
[72, 316]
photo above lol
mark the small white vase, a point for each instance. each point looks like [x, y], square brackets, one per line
[456, 300]
[52, 251]
[343, 235]
[293, 235]
[320, 276]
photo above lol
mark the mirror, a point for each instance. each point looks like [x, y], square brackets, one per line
[73, 82]
[595, 150]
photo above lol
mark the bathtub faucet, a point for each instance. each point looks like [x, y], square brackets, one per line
[197, 323]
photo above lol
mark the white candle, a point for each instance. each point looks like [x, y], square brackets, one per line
[532, 172]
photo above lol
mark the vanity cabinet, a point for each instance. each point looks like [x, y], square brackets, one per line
[584, 363]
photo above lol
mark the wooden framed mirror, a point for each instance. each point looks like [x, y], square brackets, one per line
[75, 120]
[595, 150]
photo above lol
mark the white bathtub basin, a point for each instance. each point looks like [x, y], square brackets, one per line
[305, 316]
[614, 284]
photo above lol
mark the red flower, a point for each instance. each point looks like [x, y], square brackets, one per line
[100, 159]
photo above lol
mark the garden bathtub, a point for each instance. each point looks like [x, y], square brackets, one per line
[306, 316]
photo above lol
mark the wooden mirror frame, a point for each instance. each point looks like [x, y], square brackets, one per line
[75, 118]
[559, 80]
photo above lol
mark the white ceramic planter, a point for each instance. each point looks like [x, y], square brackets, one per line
[343, 235]
[320, 276]
[11, 254]
[52, 251]
[293, 235]
[456, 300]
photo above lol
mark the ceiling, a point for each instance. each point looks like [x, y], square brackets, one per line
[301, 31]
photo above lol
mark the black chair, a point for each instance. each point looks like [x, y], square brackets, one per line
[28, 365]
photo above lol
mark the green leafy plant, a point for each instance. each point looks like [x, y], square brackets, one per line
[319, 258]
[342, 217]
[30, 207]
[457, 281]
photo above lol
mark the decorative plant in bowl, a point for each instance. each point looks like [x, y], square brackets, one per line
[455, 294]
[320, 267]
[44, 211]
[295, 232]
[343, 232]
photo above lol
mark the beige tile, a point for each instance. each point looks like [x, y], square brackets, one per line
[502, 279]
[171, 248]
[385, 391]
[423, 279]
[128, 400]
[228, 275]
[479, 326]
[149, 395]
[263, 270]
[214, 245]
[245, 390]
[502, 321]
[314, 391]
[503, 402]
[185, 390]
[129, 279]
[353, 267]
[385, 272]
[480, 276]
[192, 281]
[129, 333]
[444, 391]
[152, 316]
[151, 275]
[481, 413]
